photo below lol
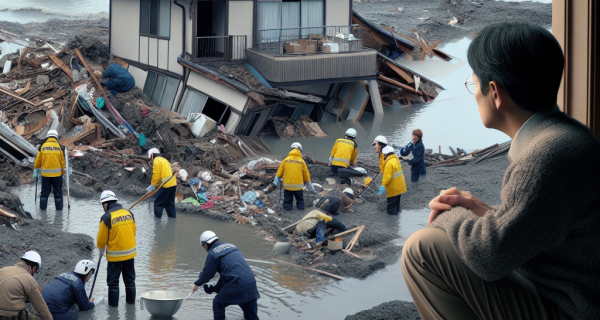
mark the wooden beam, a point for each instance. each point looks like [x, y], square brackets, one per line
[401, 85]
[400, 72]
[61, 65]
[339, 115]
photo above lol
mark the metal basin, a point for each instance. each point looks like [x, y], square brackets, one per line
[162, 304]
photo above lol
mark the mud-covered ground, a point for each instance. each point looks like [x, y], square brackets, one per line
[393, 310]
[59, 31]
[430, 18]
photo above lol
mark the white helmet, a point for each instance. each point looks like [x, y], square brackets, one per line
[380, 139]
[84, 267]
[351, 133]
[296, 145]
[208, 237]
[387, 149]
[348, 190]
[52, 133]
[153, 151]
[33, 256]
[107, 195]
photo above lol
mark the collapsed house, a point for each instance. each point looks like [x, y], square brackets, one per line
[242, 64]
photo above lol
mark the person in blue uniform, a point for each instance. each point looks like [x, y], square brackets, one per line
[68, 289]
[417, 148]
[236, 284]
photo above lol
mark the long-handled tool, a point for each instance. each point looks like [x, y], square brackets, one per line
[150, 193]
[36, 194]
[363, 190]
[97, 268]
[68, 177]
[189, 295]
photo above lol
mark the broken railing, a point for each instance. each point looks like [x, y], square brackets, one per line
[272, 40]
[220, 48]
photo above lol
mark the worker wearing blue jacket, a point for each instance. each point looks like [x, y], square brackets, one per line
[236, 284]
[119, 79]
[418, 150]
[68, 289]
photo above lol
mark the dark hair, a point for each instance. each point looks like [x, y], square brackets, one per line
[31, 264]
[525, 60]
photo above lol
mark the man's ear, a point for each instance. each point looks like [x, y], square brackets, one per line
[496, 93]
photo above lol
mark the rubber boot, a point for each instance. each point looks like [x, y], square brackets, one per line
[113, 297]
[58, 203]
[43, 203]
[130, 295]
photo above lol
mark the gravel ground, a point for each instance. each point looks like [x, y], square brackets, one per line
[393, 310]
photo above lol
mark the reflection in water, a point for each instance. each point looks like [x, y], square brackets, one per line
[163, 255]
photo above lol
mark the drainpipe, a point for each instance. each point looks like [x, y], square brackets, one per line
[183, 26]
[109, 26]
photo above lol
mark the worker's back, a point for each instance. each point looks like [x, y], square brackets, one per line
[64, 291]
[239, 283]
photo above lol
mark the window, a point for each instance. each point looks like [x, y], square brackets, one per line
[161, 89]
[289, 14]
[155, 18]
[196, 102]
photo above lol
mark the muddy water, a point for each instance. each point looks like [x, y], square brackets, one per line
[450, 120]
[170, 258]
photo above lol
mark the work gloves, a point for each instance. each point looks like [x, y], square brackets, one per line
[151, 188]
[330, 160]
[209, 289]
[311, 188]
[35, 173]
[381, 190]
[276, 180]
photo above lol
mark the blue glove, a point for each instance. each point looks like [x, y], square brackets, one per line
[35, 172]
[276, 180]
[381, 190]
[151, 188]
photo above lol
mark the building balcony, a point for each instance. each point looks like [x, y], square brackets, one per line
[220, 48]
[294, 56]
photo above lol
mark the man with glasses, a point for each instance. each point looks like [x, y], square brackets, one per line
[536, 255]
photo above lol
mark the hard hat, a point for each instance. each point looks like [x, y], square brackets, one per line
[52, 133]
[107, 195]
[348, 190]
[387, 149]
[380, 139]
[208, 237]
[351, 133]
[296, 145]
[84, 267]
[153, 151]
[368, 181]
[33, 256]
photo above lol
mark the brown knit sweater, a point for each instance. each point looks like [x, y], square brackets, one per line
[548, 225]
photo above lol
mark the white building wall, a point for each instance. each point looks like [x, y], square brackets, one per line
[125, 26]
[234, 98]
[176, 41]
[337, 12]
[241, 18]
[139, 76]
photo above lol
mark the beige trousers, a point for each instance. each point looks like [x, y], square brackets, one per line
[443, 287]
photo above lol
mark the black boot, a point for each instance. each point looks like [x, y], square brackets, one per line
[130, 294]
[113, 297]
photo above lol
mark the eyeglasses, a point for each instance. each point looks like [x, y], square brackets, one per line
[471, 84]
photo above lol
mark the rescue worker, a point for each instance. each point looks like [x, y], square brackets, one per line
[236, 284]
[343, 156]
[417, 163]
[68, 289]
[335, 200]
[295, 175]
[314, 224]
[50, 161]
[165, 197]
[117, 233]
[392, 183]
[18, 286]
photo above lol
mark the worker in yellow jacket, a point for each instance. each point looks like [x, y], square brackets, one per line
[117, 233]
[50, 161]
[343, 157]
[165, 197]
[295, 175]
[392, 183]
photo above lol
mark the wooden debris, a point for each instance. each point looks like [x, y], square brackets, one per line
[61, 65]
[5, 212]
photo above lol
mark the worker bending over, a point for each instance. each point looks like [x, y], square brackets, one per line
[335, 200]
[417, 163]
[50, 160]
[295, 175]
[315, 223]
[392, 183]
[117, 233]
[165, 197]
[68, 289]
[18, 286]
[236, 284]
[343, 157]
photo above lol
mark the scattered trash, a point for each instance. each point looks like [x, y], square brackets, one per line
[130, 169]
[453, 21]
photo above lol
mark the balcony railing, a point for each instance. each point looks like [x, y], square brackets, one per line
[220, 48]
[272, 40]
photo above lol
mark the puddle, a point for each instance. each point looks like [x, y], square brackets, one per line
[170, 258]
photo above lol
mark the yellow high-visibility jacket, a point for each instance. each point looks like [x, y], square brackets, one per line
[50, 159]
[294, 171]
[393, 178]
[117, 229]
[310, 221]
[161, 170]
[344, 153]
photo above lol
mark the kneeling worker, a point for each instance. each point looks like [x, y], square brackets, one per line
[17, 286]
[117, 233]
[236, 284]
[68, 289]
[295, 175]
[314, 224]
[343, 156]
[392, 183]
[161, 171]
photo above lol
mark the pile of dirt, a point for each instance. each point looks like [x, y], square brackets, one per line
[59, 31]
[92, 48]
[393, 310]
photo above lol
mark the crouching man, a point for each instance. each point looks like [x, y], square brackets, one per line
[68, 289]
[236, 284]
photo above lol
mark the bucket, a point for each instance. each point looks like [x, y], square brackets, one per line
[335, 245]
[162, 304]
